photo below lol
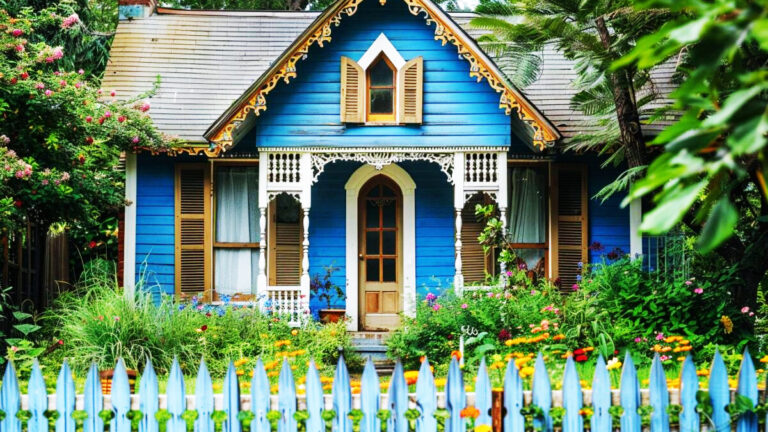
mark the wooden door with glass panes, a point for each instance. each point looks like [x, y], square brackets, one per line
[380, 254]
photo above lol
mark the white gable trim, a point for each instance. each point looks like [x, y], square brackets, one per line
[381, 45]
[356, 181]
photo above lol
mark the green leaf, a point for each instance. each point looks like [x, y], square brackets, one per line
[26, 329]
[732, 105]
[760, 32]
[719, 226]
[671, 209]
[749, 136]
[21, 316]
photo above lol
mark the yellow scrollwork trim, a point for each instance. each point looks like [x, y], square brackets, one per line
[509, 101]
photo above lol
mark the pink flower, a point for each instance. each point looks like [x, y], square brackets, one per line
[575, 287]
[135, 140]
[78, 85]
[88, 119]
[689, 283]
[112, 93]
[430, 297]
[698, 290]
[57, 53]
[63, 83]
[144, 107]
[70, 21]
[107, 114]
[533, 292]
[17, 32]
[751, 314]
[117, 318]
[20, 48]
[490, 295]
[80, 71]
[121, 119]
[464, 306]
[745, 309]
[39, 86]
[638, 339]
[659, 336]
[14, 348]
[436, 307]
[664, 358]
[48, 92]
[45, 182]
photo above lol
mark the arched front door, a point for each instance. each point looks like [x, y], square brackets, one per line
[380, 253]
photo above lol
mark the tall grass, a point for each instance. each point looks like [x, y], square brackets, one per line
[98, 324]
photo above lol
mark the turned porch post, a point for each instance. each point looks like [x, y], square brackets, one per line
[261, 280]
[305, 177]
[501, 178]
[458, 204]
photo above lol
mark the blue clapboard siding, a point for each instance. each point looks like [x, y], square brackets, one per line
[155, 223]
[458, 111]
[434, 226]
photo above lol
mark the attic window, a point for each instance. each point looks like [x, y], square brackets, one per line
[381, 76]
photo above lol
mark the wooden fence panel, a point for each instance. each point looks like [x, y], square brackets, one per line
[513, 399]
[31, 412]
[659, 397]
[542, 395]
[148, 399]
[572, 398]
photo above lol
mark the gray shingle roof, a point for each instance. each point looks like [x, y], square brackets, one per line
[207, 59]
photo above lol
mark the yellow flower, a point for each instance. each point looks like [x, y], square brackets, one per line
[240, 372]
[483, 428]
[526, 372]
[294, 332]
[241, 362]
[764, 359]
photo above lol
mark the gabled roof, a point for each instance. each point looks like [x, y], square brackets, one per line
[222, 132]
[207, 59]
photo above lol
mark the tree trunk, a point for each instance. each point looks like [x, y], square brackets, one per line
[626, 111]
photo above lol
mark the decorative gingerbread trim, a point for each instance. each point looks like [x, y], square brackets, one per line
[210, 152]
[509, 100]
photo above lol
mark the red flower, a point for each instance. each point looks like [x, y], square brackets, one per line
[204, 327]
[89, 140]
[14, 80]
[81, 159]
[101, 120]
[578, 351]
[88, 119]
[60, 342]
[121, 119]
[17, 203]
[504, 335]
[17, 32]
[580, 358]
[24, 75]
[92, 244]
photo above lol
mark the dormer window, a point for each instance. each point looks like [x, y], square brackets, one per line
[381, 87]
[381, 76]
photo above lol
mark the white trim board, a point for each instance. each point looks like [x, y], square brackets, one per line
[381, 45]
[129, 226]
[407, 186]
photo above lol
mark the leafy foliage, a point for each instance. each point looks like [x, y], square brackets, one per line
[61, 135]
[719, 146]
[98, 323]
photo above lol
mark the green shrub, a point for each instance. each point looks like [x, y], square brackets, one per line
[98, 323]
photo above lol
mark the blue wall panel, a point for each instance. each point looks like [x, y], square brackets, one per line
[608, 222]
[434, 226]
[155, 224]
[458, 111]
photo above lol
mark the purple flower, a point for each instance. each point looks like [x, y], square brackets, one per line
[431, 297]
[464, 306]
[660, 336]
[575, 287]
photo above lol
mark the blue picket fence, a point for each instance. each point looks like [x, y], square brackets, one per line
[92, 411]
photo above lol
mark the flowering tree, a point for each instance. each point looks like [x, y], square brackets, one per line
[60, 135]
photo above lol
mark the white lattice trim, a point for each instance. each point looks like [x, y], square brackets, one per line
[381, 159]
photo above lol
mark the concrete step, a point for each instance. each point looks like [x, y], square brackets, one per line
[371, 345]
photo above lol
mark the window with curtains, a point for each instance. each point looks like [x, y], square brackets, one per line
[527, 212]
[236, 237]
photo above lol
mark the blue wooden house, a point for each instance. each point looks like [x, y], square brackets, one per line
[360, 138]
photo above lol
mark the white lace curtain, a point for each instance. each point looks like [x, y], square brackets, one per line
[237, 221]
[527, 210]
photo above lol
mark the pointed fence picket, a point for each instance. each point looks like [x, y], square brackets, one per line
[33, 411]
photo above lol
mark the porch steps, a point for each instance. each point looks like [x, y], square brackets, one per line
[370, 345]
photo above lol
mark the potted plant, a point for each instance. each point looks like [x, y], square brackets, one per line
[325, 290]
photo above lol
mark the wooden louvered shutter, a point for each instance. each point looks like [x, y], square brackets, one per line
[410, 83]
[352, 92]
[569, 222]
[193, 192]
[285, 250]
[475, 263]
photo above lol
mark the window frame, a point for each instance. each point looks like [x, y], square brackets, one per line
[379, 117]
[545, 165]
[215, 165]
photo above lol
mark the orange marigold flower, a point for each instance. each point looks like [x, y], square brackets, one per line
[456, 354]
[469, 412]
[558, 337]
